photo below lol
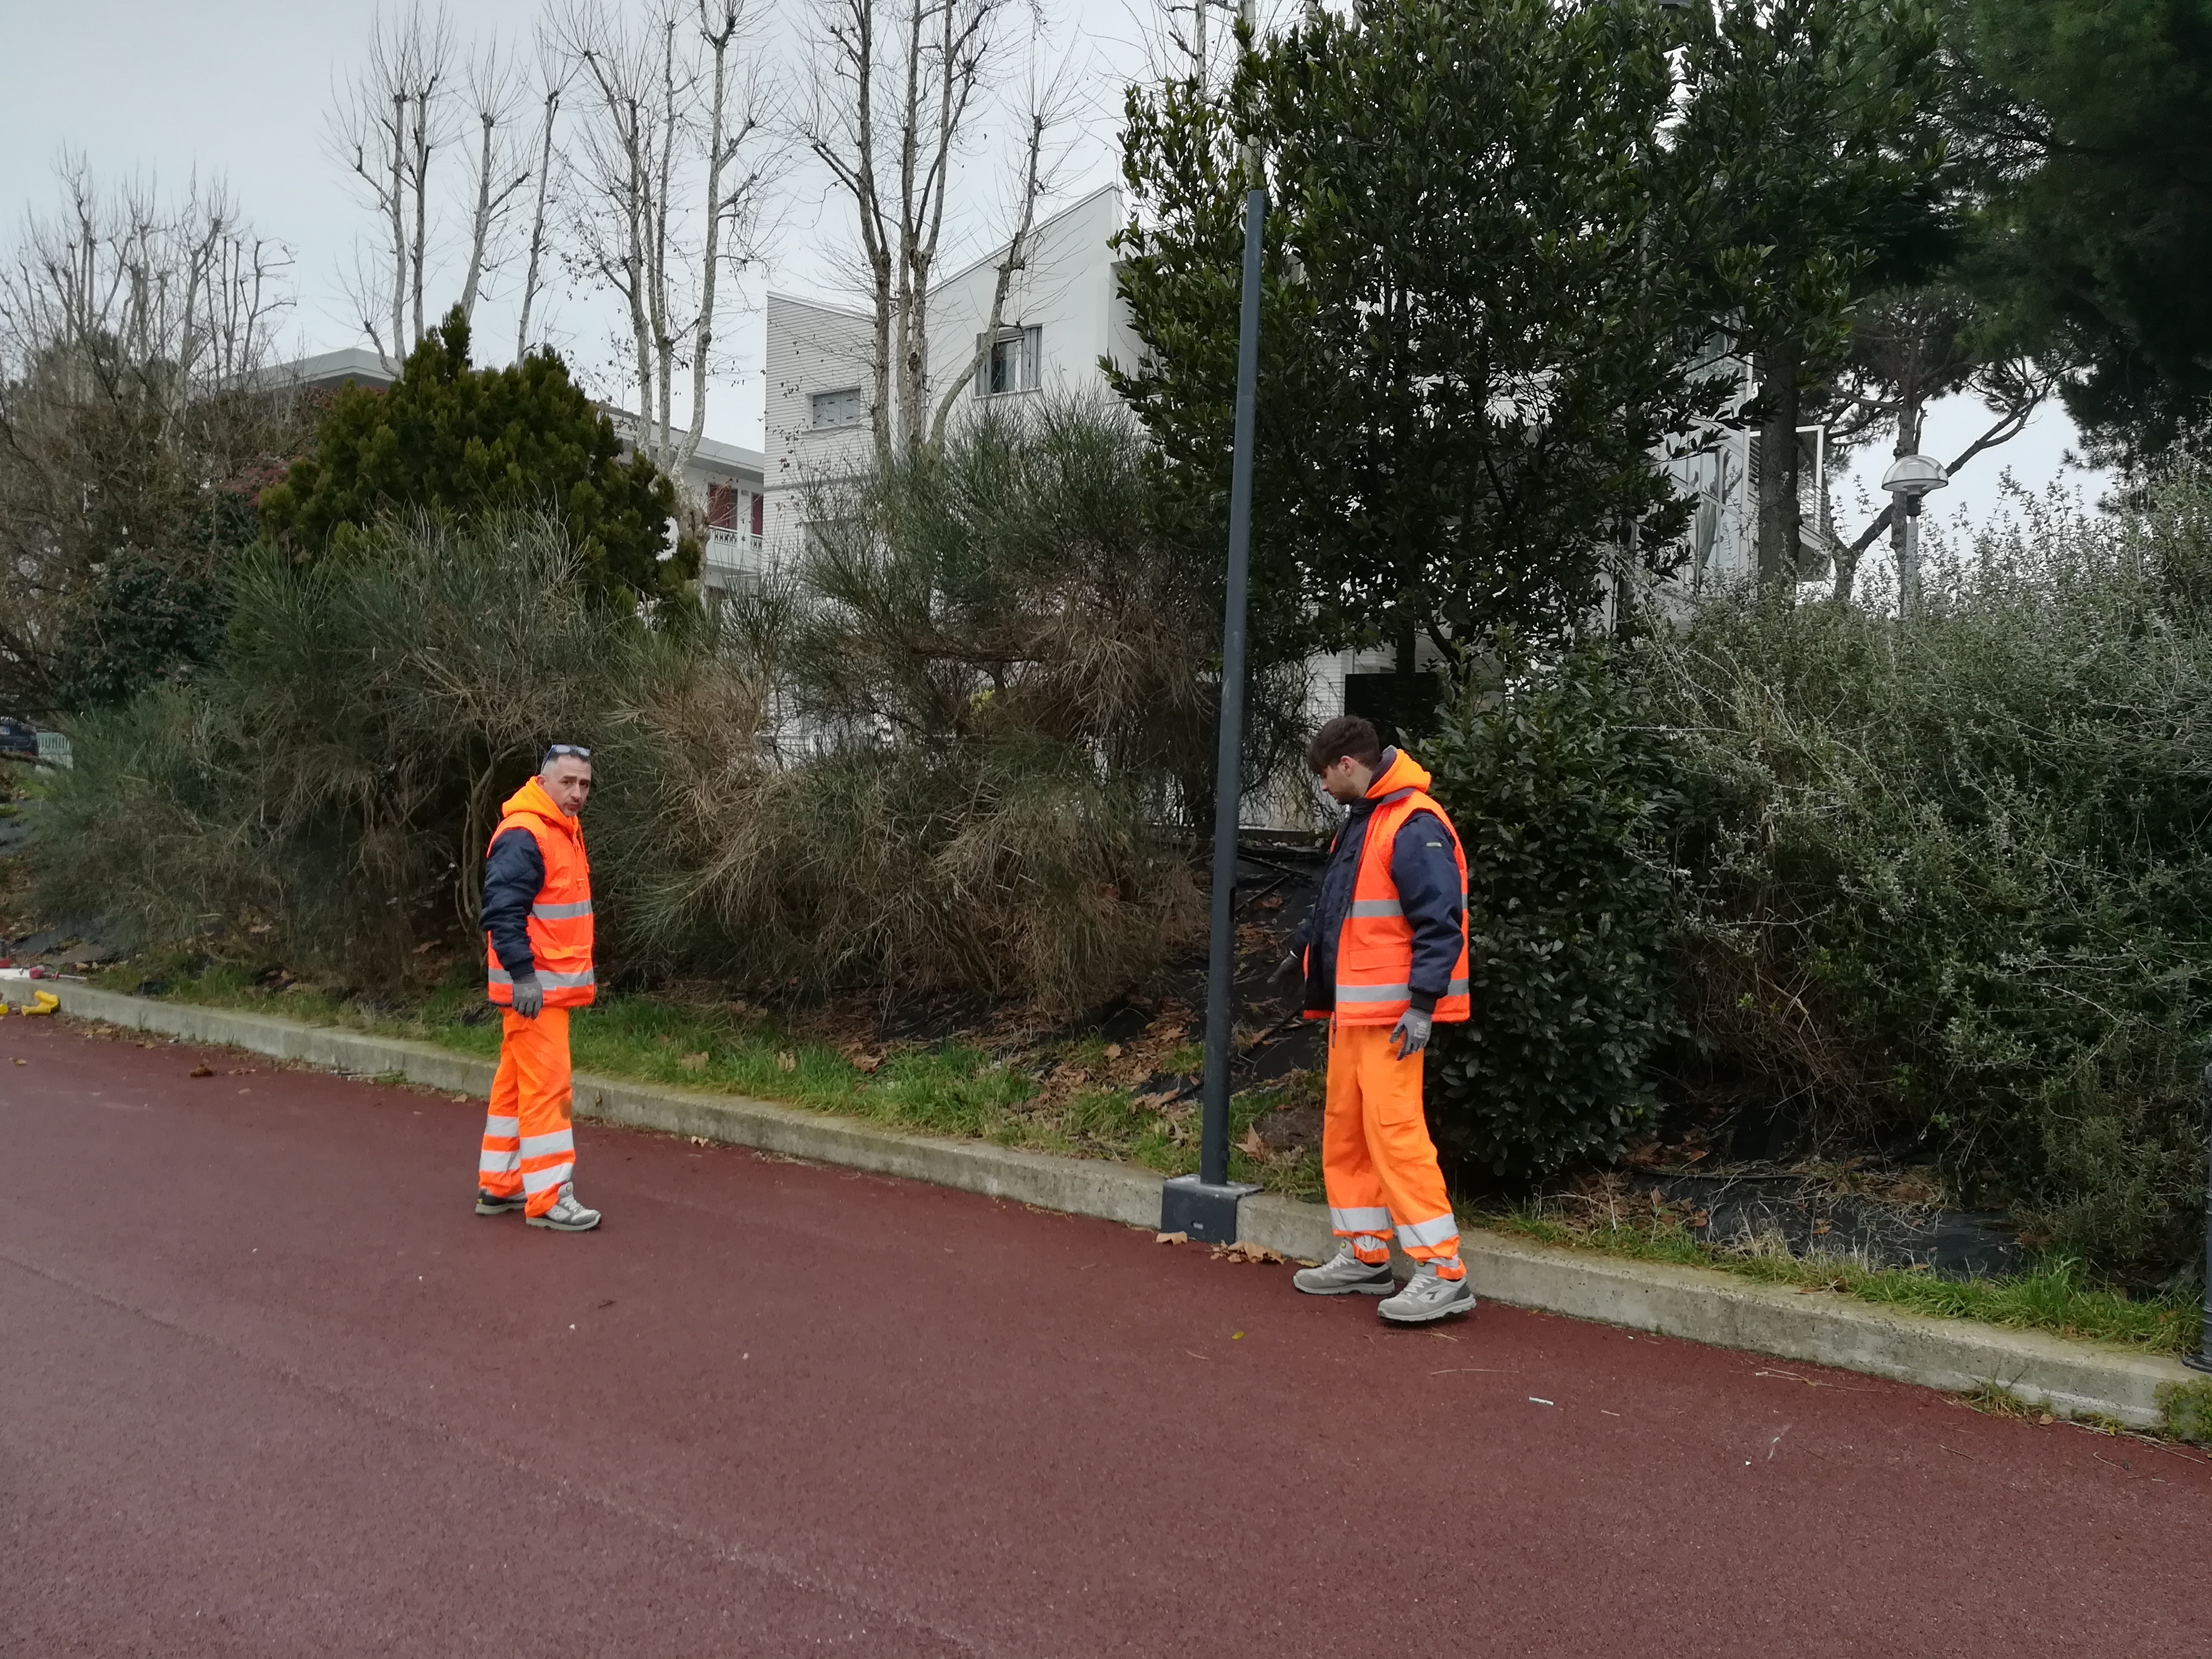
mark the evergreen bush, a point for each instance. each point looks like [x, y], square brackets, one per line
[1949, 886]
[1558, 785]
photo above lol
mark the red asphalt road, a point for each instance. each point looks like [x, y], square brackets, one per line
[268, 1387]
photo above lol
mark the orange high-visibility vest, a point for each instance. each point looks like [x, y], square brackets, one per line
[1375, 951]
[561, 917]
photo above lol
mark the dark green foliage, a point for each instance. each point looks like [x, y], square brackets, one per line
[1814, 164]
[335, 774]
[996, 682]
[1951, 883]
[1498, 277]
[1476, 334]
[123, 502]
[2099, 240]
[1559, 787]
[150, 613]
[459, 443]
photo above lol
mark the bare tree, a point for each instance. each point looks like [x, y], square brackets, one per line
[502, 166]
[136, 422]
[390, 125]
[554, 71]
[1044, 109]
[897, 88]
[672, 171]
[165, 304]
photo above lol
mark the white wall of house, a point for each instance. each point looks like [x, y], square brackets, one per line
[1063, 314]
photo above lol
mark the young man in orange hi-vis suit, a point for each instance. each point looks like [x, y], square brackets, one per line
[1383, 958]
[537, 943]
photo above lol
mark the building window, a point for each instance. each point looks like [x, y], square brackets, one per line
[722, 506]
[1014, 362]
[836, 409]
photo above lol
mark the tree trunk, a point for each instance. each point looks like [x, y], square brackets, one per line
[536, 226]
[1778, 513]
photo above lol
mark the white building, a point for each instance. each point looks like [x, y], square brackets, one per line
[1063, 314]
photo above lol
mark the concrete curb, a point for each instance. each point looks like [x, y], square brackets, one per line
[2069, 1378]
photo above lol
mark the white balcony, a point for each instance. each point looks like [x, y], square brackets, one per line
[729, 554]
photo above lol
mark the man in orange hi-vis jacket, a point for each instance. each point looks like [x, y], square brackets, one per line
[538, 945]
[1383, 958]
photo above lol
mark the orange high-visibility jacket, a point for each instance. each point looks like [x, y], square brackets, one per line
[1375, 951]
[561, 916]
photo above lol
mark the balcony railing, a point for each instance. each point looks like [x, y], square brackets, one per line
[733, 549]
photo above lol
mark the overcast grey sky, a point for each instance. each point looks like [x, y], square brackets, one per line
[240, 89]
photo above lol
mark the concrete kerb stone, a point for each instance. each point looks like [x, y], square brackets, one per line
[2068, 1378]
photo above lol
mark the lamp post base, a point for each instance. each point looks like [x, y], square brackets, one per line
[2195, 1362]
[1201, 1211]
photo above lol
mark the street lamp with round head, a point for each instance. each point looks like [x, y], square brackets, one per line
[1911, 477]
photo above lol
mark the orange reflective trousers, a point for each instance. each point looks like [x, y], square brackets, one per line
[1376, 1158]
[529, 1146]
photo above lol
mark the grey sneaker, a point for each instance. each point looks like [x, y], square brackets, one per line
[1346, 1274]
[1428, 1296]
[567, 1215]
[499, 1203]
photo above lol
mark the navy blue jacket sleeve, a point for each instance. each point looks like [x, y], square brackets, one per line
[514, 874]
[1427, 878]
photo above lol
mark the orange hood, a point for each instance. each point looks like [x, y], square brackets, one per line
[1403, 772]
[533, 800]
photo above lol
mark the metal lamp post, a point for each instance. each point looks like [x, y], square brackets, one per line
[1204, 1205]
[1910, 478]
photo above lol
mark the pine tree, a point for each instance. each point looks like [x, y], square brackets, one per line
[458, 442]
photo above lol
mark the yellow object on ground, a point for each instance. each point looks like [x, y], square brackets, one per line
[45, 1003]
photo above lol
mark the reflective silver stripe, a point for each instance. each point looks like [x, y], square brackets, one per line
[538, 1181]
[561, 1140]
[1389, 907]
[501, 1127]
[1442, 1230]
[1373, 1220]
[550, 981]
[491, 1162]
[561, 912]
[1457, 988]
[1373, 992]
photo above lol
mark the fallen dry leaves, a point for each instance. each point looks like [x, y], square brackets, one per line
[1240, 1251]
[693, 1062]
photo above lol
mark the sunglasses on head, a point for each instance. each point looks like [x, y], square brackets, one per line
[554, 751]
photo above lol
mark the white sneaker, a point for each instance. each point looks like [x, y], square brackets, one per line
[1346, 1274]
[567, 1215]
[1428, 1295]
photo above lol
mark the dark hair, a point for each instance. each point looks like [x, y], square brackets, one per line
[1348, 734]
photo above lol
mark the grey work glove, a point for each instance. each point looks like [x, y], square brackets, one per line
[1411, 1033]
[529, 996]
[1288, 972]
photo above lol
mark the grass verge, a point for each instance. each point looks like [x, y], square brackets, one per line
[2057, 1297]
[943, 1089]
[958, 1088]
